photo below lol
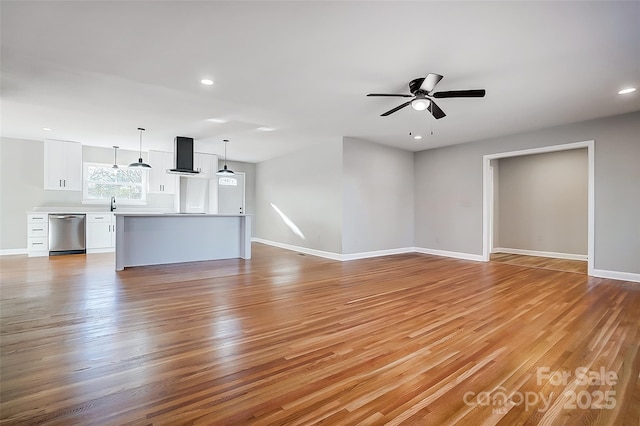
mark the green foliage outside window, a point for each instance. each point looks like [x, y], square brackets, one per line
[103, 182]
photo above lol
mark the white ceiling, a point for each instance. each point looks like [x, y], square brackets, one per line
[95, 71]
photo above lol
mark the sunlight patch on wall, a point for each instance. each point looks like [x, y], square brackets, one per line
[288, 222]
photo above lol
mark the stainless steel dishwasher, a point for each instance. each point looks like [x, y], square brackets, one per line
[66, 234]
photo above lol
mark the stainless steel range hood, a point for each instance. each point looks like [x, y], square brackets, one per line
[183, 157]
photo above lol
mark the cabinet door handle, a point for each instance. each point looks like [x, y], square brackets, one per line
[109, 228]
[99, 217]
[38, 229]
[60, 184]
[38, 244]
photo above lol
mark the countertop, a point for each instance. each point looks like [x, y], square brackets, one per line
[98, 209]
[173, 214]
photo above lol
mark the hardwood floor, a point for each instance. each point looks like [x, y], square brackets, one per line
[291, 339]
[565, 265]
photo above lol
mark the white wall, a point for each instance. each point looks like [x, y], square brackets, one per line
[377, 197]
[448, 192]
[306, 187]
[543, 202]
[495, 168]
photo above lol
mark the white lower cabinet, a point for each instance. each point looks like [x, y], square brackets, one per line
[37, 234]
[101, 232]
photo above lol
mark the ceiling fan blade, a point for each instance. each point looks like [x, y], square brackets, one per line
[391, 111]
[402, 95]
[435, 110]
[430, 82]
[479, 93]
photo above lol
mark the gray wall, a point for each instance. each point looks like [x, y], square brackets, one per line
[377, 197]
[448, 189]
[22, 177]
[543, 202]
[22, 185]
[307, 187]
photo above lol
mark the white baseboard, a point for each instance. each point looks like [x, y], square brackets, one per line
[11, 252]
[332, 255]
[377, 253]
[601, 273]
[555, 255]
[453, 254]
[305, 250]
[615, 275]
[101, 250]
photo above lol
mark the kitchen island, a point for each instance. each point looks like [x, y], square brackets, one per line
[154, 239]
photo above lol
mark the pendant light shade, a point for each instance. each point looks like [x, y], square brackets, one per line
[225, 171]
[140, 163]
[115, 157]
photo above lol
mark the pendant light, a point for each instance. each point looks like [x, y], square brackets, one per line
[224, 171]
[115, 157]
[140, 164]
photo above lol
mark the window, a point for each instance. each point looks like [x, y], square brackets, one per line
[102, 181]
[227, 181]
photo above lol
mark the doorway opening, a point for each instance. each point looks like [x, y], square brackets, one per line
[489, 194]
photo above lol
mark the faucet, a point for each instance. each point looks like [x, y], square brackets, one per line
[113, 203]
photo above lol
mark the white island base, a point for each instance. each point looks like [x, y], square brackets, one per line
[155, 239]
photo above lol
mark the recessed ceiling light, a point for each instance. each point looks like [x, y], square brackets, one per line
[627, 90]
[417, 137]
[266, 129]
[206, 82]
[217, 120]
[46, 129]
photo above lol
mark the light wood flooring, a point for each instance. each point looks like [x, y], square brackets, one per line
[565, 265]
[288, 339]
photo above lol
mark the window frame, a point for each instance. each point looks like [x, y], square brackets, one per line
[120, 201]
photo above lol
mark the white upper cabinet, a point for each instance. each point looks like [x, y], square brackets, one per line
[161, 182]
[62, 165]
[205, 163]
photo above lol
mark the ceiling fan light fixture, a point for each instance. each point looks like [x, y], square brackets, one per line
[420, 104]
[140, 164]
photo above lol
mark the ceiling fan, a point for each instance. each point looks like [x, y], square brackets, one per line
[422, 93]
